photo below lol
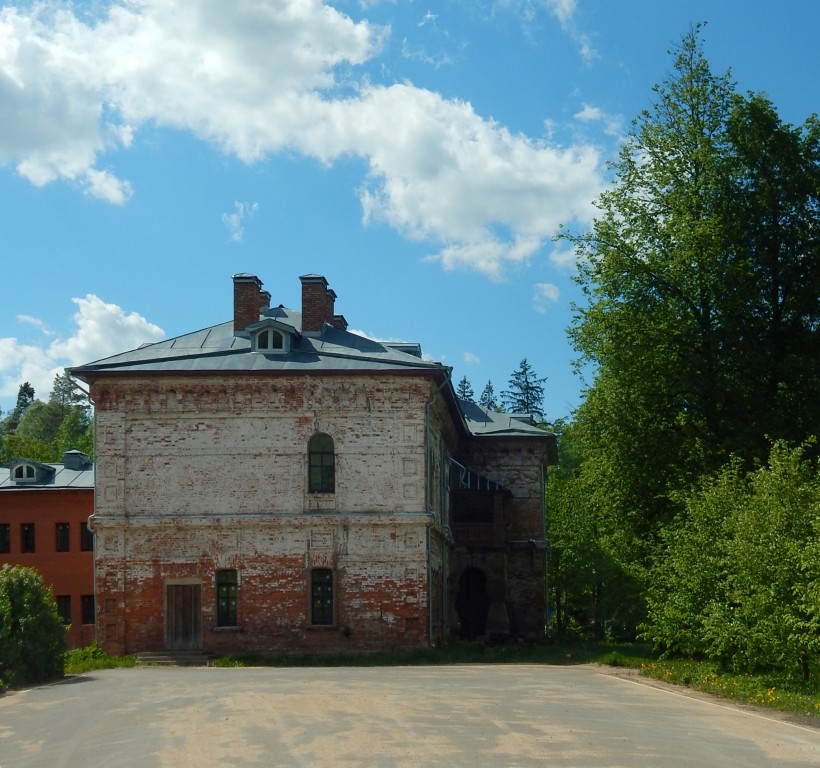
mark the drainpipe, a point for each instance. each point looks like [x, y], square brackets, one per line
[431, 520]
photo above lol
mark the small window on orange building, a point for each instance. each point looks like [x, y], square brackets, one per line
[86, 538]
[89, 614]
[64, 608]
[27, 537]
[63, 537]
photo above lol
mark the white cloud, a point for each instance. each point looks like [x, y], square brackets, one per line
[35, 322]
[235, 222]
[256, 78]
[564, 258]
[471, 359]
[590, 114]
[562, 9]
[101, 330]
[543, 295]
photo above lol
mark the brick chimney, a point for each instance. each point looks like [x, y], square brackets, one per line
[318, 302]
[264, 300]
[246, 300]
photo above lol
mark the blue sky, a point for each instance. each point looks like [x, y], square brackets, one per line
[420, 155]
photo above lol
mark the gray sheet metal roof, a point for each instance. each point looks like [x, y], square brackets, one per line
[218, 349]
[60, 478]
[481, 421]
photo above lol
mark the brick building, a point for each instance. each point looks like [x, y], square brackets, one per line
[278, 483]
[44, 511]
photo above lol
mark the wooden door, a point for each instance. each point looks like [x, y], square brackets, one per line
[183, 622]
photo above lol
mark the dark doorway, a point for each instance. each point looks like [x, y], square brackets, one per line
[183, 617]
[472, 603]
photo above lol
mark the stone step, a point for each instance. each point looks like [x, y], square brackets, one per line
[173, 658]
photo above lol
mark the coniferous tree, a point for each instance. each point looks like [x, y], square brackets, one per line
[487, 399]
[526, 392]
[465, 390]
[25, 397]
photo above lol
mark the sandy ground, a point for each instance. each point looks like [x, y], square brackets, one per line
[398, 717]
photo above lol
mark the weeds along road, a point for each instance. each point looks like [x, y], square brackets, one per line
[470, 715]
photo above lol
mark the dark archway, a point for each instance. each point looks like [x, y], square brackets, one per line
[472, 603]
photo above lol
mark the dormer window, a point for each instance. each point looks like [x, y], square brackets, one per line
[24, 472]
[271, 340]
[271, 337]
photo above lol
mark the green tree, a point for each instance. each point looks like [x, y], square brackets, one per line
[701, 279]
[739, 578]
[526, 391]
[487, 399]
[25, 396]
[32, 638]
[465, 390]
[589, 593]
[45, 430]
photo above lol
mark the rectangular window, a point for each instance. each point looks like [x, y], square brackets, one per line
[86, 538]
[89, 613]
[63, 537]
[226, 594]
[64, 608]
[5, 538]
[27, 537]
[321, 596]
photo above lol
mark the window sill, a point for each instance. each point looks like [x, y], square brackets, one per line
[226, 629]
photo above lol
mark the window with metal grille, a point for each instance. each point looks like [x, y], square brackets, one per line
[321, 596]
[321, 464]
[63, 537]
[226, 598]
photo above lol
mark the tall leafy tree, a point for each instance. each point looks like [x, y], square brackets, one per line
[487, 399]
[700, 277]
[465, 390]
[525, 393]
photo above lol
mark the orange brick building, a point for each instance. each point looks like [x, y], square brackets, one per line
[44, 510]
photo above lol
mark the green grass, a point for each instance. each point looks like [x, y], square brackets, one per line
[93, 657]
[773, 690]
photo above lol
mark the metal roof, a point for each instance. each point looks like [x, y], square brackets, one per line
[218, 349]
[58, 477]
[481, 421]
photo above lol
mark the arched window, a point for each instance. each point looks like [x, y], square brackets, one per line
[24, 472]
[321, 464]
[270, 339]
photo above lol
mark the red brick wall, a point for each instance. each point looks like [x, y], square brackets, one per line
[246, 301]
[67, 573]
[200, 475]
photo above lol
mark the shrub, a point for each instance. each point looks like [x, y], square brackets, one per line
[32, 638]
